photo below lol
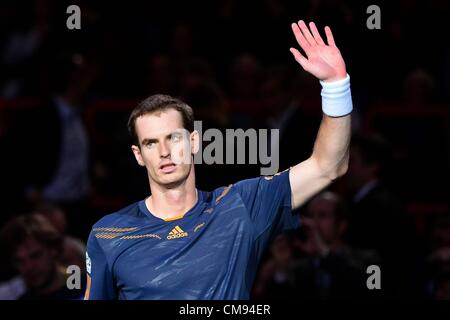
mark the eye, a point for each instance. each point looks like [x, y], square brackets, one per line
[175, 137]
[150, 144]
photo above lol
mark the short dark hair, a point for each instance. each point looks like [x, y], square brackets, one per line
[158, 103]
[34, 226]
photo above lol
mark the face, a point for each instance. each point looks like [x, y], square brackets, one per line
[166, 148]
[322, 212]
[35, 262]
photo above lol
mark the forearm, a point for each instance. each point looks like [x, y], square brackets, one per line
[331, 148]
[329, 158]
[328, 161]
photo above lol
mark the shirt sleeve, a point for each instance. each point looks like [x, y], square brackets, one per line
[268, 202]
[100, 282]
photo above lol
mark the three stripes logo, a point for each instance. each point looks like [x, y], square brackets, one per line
[176, 232]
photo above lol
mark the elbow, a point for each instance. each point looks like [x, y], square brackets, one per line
[342, 170]
[334, 170]
[339, 170]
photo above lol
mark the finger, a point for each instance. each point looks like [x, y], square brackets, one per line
[300, 38]
[299, 58]
[316, 33]
[330, 38]
[306, 33]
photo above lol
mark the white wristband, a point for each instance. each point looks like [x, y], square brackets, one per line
[337, 97]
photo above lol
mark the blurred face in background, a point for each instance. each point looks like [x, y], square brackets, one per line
[322, 211]
[36, 263]
[166, 148]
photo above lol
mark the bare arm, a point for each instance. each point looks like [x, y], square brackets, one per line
[329, 159]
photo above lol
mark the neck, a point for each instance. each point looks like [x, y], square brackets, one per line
[174, 201]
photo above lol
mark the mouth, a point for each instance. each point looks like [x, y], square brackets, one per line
[168, 167]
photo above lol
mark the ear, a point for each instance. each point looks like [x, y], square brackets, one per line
[137, 154]
[195, 141]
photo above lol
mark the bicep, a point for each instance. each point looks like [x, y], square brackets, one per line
[306, 179]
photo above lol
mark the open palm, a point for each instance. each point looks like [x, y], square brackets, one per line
[323, 61]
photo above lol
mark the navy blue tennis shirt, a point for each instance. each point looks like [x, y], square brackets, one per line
[212, 252]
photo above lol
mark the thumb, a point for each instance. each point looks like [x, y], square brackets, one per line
[299, 58]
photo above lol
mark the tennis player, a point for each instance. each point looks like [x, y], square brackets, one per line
[184, 243]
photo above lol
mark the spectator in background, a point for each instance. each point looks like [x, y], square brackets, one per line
[275, 96]
[377, 220]
[161, 76]
[293, 104]
[27, 29]
[276, 277]
[51, 144]
[34, 247]
[245, 77]
[328, 268]
[70, 180]
[212, 106]
[181, 43]
[73, 249]
[194, 73]
[243, 85]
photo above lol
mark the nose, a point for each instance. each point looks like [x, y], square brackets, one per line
[164, 149]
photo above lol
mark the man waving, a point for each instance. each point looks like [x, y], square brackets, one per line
[184, 243]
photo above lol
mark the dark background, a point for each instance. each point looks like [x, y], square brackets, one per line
[230, 61]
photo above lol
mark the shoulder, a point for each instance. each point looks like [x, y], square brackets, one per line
[109, 230]
[121, 219]
[263, 181]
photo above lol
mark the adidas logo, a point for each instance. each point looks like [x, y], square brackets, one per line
[176, 232]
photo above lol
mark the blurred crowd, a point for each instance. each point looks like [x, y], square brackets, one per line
[65, 97]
